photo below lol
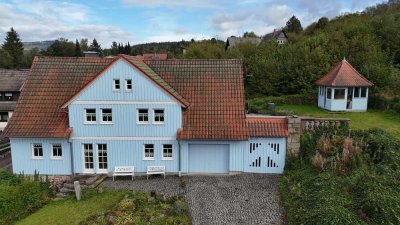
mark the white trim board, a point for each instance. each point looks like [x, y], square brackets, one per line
[121, 103]
[126, 138]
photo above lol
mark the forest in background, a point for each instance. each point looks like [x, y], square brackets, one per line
[369, 40]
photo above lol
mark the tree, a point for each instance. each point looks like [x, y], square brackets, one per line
[29, 56]
[61, 47]
[5, 59]
[322, 23]
[14, 47]
[84, 44]
[78, 51]
[127, 49]
[95, 46]
[114, 48]
[249, 34]
[294, 25]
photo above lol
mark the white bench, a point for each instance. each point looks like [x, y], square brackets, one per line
[155, 170]
[124, 171]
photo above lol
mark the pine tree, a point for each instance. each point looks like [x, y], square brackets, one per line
[114, 48]
[78, 52]
[294, 25]
[95, 46]
[14, 47]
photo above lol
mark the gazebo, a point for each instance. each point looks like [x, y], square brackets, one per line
[343, 89]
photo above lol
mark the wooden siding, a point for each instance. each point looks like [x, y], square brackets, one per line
[127, 153]
[22, 161]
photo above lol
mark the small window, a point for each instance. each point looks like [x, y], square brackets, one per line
[3, 116]
[148, 152]
[37, 151]
[117, 85]
[143, 115]
[56, 151]
[329, 93]
[167, 152]
[128, 85]
[159, 116]
[90, 116]
[106, 115]
[363, 92]
[8, 96]
[339, 93]
[356, 92]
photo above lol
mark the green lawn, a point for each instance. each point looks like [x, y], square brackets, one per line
[387, 120]
[71, 211]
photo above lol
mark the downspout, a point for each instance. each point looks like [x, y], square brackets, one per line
[179, 157]
[72, 157]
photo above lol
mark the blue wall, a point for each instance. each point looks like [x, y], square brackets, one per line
[127, 153]
[22, 161]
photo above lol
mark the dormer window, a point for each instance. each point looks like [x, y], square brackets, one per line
[117, 85]
[128, 85]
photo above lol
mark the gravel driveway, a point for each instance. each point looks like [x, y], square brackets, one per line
[239, 199]
[236, 199]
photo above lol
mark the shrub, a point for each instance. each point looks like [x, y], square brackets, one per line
[20, 196]
[318, 161]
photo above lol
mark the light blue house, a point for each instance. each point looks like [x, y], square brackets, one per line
[89, 115]
[343, 89]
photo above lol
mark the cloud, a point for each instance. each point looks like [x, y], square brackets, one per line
[172, 3]
[49, 20]
[261, 20]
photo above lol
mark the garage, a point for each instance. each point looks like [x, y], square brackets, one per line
[208, 158]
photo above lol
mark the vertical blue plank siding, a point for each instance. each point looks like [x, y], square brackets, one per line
[127, 153]
[22, 161]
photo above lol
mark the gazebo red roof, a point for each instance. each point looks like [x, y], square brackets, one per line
[343, 75]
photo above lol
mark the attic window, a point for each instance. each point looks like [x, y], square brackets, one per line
[117, 85]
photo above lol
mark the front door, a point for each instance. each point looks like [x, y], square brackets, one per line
[102, 162]
[88, 158]
[349, 98]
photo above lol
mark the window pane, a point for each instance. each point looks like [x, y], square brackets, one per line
[116, 84]
[91, 115]
[339, 93]
[149, 151]
[129, 84]
[159, 115]
[167, 151]
[363, 92]
[329, 93]
[37, 150]
[106, 115]
[143, 115]
[57, 150]
[356, 92]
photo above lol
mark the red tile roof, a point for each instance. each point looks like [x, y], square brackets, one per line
[50, 83]
[212, 89]
[267, 127]
[215, 91]
[343, 75]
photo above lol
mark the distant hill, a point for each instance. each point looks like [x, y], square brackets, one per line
[42, 45]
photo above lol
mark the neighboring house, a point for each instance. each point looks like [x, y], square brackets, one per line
[88, 115]
[343, 89]
[279, 35]
[152, 56]
[91, 54]
[233, 41]
[10, 86]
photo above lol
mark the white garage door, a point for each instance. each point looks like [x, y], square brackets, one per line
[208, 158]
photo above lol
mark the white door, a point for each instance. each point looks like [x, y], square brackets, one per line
[88, 158]
[102, 158]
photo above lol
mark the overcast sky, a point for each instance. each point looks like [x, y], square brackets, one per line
[139, 21]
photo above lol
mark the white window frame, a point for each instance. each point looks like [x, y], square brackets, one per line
[139, 114]
[86, 114]
[126, 85]
[144, 152]
[99, 155]
[115, 84]
[172, 152]
[33, 151]
[52, 151]
[154, 116]
[102, 116]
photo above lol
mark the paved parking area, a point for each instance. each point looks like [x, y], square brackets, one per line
[235, 199]
[239, 199]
